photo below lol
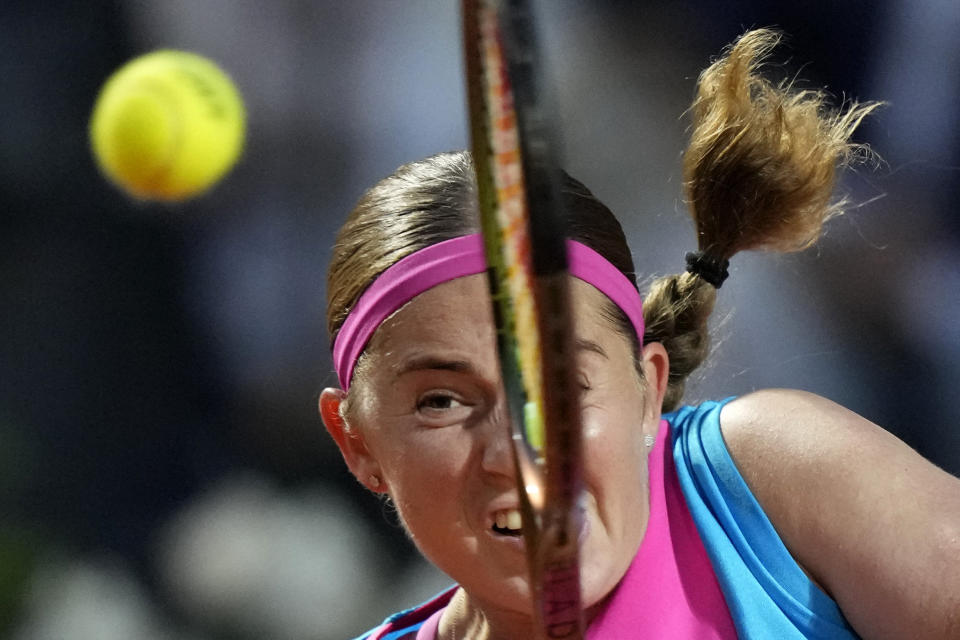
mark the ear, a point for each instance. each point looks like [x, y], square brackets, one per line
[352, 446]
[656, 372]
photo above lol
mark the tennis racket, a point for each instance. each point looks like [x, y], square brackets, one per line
[525, 243]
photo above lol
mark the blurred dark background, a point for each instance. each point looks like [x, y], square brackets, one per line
[163, 474]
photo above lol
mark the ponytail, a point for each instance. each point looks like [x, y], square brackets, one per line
[759, 173]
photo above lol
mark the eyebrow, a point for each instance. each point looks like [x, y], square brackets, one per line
[434, 363]
[589, 345]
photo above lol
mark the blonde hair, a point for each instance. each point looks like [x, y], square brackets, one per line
[759, 173]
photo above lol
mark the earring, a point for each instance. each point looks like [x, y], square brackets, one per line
[374, 481]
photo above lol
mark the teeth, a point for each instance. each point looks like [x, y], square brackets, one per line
[508, 519]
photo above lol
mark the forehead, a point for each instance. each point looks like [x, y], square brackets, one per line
[456, 317]
[453, 315]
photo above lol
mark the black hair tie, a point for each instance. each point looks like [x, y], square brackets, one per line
[710, 268]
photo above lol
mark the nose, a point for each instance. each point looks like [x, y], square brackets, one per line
[497, 458]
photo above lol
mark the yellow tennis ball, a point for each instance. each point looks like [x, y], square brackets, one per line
[167, 125]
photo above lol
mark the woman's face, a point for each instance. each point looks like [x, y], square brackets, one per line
[429, 406]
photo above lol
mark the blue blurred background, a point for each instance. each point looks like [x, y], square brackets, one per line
[163, 473]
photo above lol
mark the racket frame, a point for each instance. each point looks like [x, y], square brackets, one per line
[523, 226]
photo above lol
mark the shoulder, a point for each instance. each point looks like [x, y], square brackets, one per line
[811, 429]
[872, 522]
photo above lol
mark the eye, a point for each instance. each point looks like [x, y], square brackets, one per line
[583, 383]
[438, 401]
[443, 408]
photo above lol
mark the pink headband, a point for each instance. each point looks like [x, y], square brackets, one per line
[456, 258]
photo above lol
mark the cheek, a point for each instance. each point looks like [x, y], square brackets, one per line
[424, 459]
[615, 475]
[615, 463]
[430, 487]
[613, 449]
[424, 472]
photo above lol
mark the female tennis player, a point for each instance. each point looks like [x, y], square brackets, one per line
[773, 515]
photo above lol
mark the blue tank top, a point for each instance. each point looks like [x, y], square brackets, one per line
[768, 593]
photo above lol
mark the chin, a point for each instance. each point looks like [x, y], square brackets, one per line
[600, 572]
[594, 588]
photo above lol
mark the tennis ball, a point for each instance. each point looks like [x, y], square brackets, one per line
[167, 125]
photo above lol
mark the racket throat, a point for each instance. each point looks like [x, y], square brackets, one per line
[555, 577]
[552, 541]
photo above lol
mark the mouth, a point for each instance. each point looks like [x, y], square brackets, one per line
[507, 522]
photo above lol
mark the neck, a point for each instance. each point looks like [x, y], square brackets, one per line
[465, 618]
